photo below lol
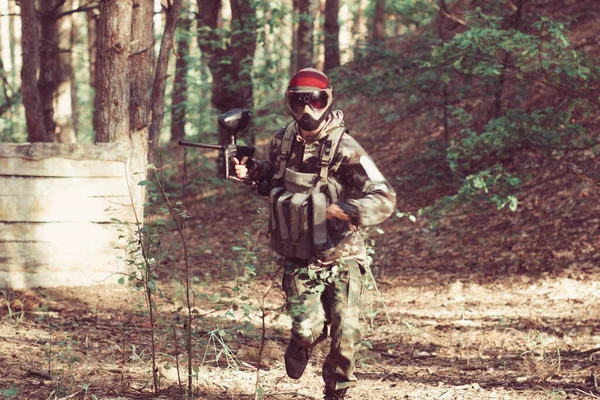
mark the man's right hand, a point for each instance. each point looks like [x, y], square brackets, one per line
[241, 170]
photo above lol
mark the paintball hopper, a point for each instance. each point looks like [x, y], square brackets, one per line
[235, 120]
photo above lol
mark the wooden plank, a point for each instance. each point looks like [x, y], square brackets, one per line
[66, 235]
[73, 151]
[33, 264]
[38, 256]
[76, 187]
[65, 208]
[61, 167]
[13, 276]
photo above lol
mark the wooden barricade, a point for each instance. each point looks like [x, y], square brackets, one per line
[59, 210]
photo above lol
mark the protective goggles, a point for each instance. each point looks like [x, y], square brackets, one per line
[316, 100]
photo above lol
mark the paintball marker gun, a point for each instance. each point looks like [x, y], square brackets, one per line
[233, 121]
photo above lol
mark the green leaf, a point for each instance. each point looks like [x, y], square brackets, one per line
[513, 203]
[12, 392]
[144, 183]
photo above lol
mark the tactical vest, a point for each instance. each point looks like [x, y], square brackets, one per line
[298, 226]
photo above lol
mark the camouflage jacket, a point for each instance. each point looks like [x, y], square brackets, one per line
[369, 198]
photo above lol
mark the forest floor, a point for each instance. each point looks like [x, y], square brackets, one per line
[478, 304]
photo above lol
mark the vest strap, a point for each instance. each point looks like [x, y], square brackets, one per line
[328, 149]
[285, 149]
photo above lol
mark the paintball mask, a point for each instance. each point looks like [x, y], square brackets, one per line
[309, 97]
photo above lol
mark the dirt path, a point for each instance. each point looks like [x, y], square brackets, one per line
[447, 339]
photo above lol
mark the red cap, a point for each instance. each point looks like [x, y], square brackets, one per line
[309, 77]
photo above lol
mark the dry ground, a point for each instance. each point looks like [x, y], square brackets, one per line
[458, 316]
[446, 338]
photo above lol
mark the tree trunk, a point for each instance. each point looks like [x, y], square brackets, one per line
[74, 61]
[62, 97]
[497, 108]
[294, 44]
[243, 43]
[378, 34]
[332, 35]
[160, 77]
[34, 117]
[445, 112]
[49, 72]
[359, 30]
[15, 43]
[141, 64]
[178, 107]
[92, 27]
[304, 43]
[111, 120]
[230, 62]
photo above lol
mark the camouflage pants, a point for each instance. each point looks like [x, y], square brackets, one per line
[327, 299]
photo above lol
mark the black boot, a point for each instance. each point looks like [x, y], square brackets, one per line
[296, 359]
[332, 394]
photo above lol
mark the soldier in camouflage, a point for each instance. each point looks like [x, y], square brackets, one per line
[322, 186]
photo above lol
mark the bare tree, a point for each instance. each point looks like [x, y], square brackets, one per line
[92, 26]
[308, 10]
[36, 129]
[441, 27]
[64, 96]
[358, 26]
[141, 64]
[74, 61]
[173, 12]
[378, 32]
[332, 35]
[178, 106]
[111, 120]
[514, 21]
[47, 76]
[229, 59]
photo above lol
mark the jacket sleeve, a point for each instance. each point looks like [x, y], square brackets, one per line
[262, 171]
[371, 199]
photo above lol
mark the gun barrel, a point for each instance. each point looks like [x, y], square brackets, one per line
[201, 145]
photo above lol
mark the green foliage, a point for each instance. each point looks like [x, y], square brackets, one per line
[488, 81]
[410, 12]
[11, 393]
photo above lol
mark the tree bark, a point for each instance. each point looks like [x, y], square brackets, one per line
[178, 107]
[304, 43]
[497, 108]
[63, 94]
[160, 77]
[112, 84]
[243, 40]
[332, 35]
[378, 34]
[294, 44]
[230, 61]
[36, 131]
[49, 78]
[441, 27]
[359, 29]
[92, 30]
[141, 63]
[74, 61]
